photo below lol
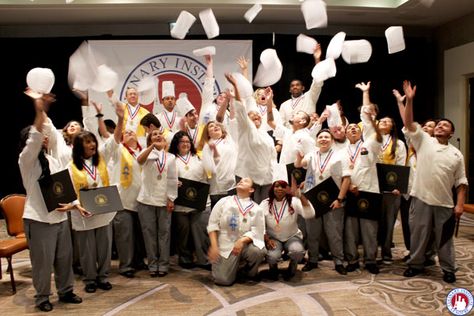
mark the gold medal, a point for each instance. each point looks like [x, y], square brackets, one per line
[277, 228]
[159, 177]
[351, 166]
[94, 185]
[244, 220]
[321, 177]
[186, 167]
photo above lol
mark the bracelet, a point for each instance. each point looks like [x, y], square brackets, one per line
[99, 115]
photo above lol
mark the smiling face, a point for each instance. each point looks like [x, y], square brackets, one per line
[131, 96]
[222, 99]
[184, 145]
[157, 137]
[385, 125]
[280, 191]
[324, 141]
[255, 118]
[214, 130]
[192, 118]
[429, 127]
[443, 129]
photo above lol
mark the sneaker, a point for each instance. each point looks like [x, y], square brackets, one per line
[372, 268]
[70, 298]
[387, 261]
[411, 272]
[351, 267]
[90, 288]
[46, 306]
[106, 286]
[341, 269]
[449, 277]
[309, 266]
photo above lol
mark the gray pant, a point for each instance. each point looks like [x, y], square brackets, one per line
[225, 270]
[333, 222]
[360, 228]
[95, 250]
[124, 236]
[390, 206]
[192, 226]
[156, 226]
[293, 246]
[424, 220]
[50, 247]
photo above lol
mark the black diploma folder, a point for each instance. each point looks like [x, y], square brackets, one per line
[366, 205]
[322, 196]
[192, 194]
[101, 200]
[393, 177]
[298, 173]
[57, 188]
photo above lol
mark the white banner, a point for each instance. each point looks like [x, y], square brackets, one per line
[168, 60]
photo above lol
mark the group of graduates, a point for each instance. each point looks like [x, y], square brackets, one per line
[240, 144]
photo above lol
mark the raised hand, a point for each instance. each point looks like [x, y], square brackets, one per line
[317, 53]
[364, 87]
[409, 90]
[243, 63]
[400, 99]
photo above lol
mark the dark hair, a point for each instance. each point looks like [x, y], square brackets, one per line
[175, 142]
[110, 123]
[78, 149]
[446, 120]
[271, 196]
[149, 119]
[394, 135]
[324, 130]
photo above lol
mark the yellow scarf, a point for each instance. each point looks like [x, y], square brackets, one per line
[140, 131]
[385, 155]
[79, 177]
[126, 168]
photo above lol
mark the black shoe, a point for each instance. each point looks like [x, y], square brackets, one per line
[46, 306]
[387, 261]
[341, 269]
[162, 274]
[273, 274]
[106, 286]
[77, 270]
[406, 258]
[128, 274]
[429, 263]
[140, 266]
[372, 268]
[351, 267]
[411, 272]
[449, 277]
[187, 265]
[207, 267]
[309, 266]
[71, 298]
[90, 288]
[153, 274]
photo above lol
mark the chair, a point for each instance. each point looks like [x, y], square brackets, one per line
[12, 207]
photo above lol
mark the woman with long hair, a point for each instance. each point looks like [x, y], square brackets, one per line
[281, 210]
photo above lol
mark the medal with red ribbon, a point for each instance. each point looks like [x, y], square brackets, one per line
[279, 214]
[263, 110]
[385, 145]
[132, 111]
[161, 164]
[322, 166]
[169, 121]
[353, 155]
[295, 102]
[91, 171]
[193, 134]
[243, 210]
[185, 159]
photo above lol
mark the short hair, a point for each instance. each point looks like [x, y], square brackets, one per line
[446, 120]
[325, 130]
[149, 119]
[110, 123]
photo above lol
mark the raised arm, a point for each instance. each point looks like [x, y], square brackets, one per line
[269, 103]
[400, 103]
[365, 88]
[244, 66]
[119, 110]
[410, 94]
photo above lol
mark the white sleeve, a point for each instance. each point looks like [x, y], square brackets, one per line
[311, 97]
[172, 177]
[215, 217]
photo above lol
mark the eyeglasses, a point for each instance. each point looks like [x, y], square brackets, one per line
[184, 142]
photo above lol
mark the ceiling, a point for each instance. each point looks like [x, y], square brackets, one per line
[340, 12]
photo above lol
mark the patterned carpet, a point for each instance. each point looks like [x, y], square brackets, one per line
[319, 292]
